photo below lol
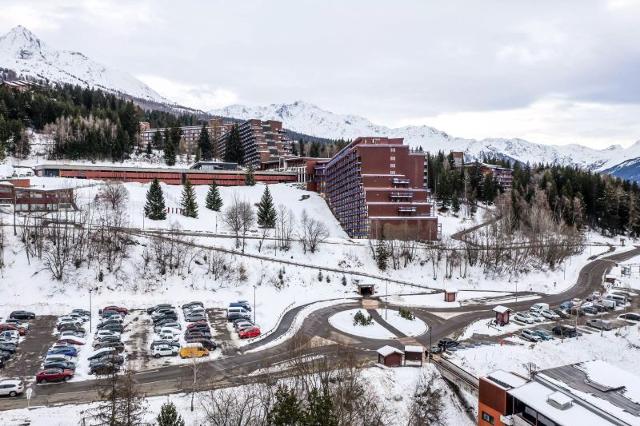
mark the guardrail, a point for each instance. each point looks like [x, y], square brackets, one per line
[457, 373]
[275, 327]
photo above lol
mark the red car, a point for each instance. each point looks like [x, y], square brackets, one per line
[5, 327]
[71, 340]
[54, 375]
[118, 309]
[197, 323]
[250, 332]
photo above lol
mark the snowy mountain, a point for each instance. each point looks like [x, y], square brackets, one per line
[309, 119]
[22, 52]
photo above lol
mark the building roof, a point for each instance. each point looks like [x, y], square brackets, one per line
[95, 167]
[506, 380]
[414, 348]
[501, 309]
[592, 392]
[388, 350]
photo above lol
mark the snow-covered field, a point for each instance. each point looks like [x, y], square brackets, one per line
[619, 347]
[414, 327]
[343, 321]
[394, 387]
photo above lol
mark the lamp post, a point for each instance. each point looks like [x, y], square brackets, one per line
[91, 290]
[386, 298]
[254, 303]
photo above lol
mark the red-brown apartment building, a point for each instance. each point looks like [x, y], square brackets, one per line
[376, 188]
[262, 141]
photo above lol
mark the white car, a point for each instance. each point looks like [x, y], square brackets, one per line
[102, 333]
[12, 336]
[549, 314]
[168, 335]
[68, 318]
[164, 350]
[523, 318]
[58, 357]
[11, 387]
[537, 316]
[71, 333]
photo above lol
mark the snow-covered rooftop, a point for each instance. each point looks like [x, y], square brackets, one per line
[501, 309]
[388, 350]
[413, 348]
[506, 379]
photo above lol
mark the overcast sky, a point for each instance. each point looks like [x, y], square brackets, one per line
[547, 71]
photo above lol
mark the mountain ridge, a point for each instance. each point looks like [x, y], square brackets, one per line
[310, 119]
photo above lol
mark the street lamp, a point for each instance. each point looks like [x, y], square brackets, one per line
[254, 303]
[91, 290]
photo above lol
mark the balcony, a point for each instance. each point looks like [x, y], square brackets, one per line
[400, 181]
[401, 196]
[407, 209]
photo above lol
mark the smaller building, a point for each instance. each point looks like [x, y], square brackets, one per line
[450, 294]
[390, 356]
[502, 315]
[414, 354]
[214, 165]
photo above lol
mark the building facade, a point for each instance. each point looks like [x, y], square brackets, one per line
[262, 142]
[216, 127]
[376, 189]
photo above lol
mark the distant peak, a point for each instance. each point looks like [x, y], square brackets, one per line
[21, 38]
[20, 31]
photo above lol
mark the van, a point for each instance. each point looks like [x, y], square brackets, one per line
[242, 304]
[193, 350]
[600, 324]
[609, 304]
[538, 307]
[619, 299]
[234, 313]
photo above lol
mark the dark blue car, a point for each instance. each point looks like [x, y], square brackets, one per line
[566, 305]
[64, 350]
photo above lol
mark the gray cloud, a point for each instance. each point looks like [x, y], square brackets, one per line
[387, 60]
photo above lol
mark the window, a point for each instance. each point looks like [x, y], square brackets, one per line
[392, 165]
[487, 418]
[392, 150]
[393, 158]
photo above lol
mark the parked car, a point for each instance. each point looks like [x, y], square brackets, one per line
[248, 333]
[239, 325]
[22, 315]
[190, 304]
[537, 307]
[169, 324]
[530, 335]
[103, 368]
[164, 312]
[103, 324]
[118, 309]
[164, 342]
[8, 347]
[118, 328]
[562, 314]
[107, 338]
[12, 327]
[194, 317]
[11, 336]
[73, 340]
[566, 305]
[236, 313]
[549, 314]
[244, 305]
[544, 334]
[11, 387]
[159, 306]
[82, 312]
[118, 346]
[72, 333]
[537, 316]
[58, 357]
[53, 375]
[20, 324]
[101, 353]
[576, 310]
[600, 324]
[69, 327]
[631, 316]
[5, 356]
[168, 335]
[522, 317]
[193, 350]
[206, 343]
[197, 335]
[109, 357]
[65, 365]
[198, 326]
[564, 331]
[591, 310]
[164, 350]
[447, 343]
[102, 333]
[63, 350]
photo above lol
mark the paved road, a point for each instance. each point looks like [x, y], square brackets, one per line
[316, 337]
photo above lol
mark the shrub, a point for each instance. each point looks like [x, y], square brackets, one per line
[406, 314]
[361, 319]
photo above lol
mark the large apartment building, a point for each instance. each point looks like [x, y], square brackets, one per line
[216, 127]
[376, 189]
[262, 141]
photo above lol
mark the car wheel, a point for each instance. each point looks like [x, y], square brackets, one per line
[12, 394]
[66, 379]
[156, 356]
[43, 381]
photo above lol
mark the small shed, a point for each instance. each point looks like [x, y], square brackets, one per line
[413, 353]
[502, 315]
[610, 278]
[390, 356]
[450, 294]
[366, 289]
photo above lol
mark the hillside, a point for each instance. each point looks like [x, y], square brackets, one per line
[24, 53]
[307, 118]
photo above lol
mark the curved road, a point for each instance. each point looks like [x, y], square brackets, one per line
[316, 337]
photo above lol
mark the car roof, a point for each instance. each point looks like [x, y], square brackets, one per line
[11, 381]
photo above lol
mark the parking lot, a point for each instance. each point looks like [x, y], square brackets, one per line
[33, 346]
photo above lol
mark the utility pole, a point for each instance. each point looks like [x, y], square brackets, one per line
[90, 312]
[254, 304]
[386, 298]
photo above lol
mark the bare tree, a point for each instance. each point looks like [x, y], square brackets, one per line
[426, 405]
[114, 194]
[285, 222]
[240, 218]
[314, 233]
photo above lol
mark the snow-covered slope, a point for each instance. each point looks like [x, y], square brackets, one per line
[22, 52]
[306, 118]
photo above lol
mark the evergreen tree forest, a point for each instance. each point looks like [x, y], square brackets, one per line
[575, 196]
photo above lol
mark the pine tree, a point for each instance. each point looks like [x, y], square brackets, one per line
[204, 143]
[149, 148]
[213, 201]
[169, 416]
[249, 177]
[154, 209]
[157, 140]
[233, 152]
[266, 210]
[188, 203]
[382, 255]
[169, 152]
[320, 409]
[286, 410]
